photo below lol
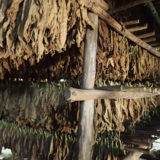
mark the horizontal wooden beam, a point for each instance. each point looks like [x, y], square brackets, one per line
[138, 28]
[129, 5]
[147, 35]
[129, 89]
[152, 39]
[133, 22]
[73, 94]
[120, 29]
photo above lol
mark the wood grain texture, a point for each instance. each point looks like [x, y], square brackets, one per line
[132, 22]
[86, 125]
[91, 94]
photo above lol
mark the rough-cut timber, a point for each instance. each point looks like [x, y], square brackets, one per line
[133, 22]
[119, 28]
[86, 123]
[147, 35]
[129, 5]
[89, 94]
[138, 28]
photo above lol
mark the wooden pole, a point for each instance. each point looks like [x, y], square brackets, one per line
[86, 124]
[138, 28]
[152, 39]
[119, 28]
[129, 89]
[147, 35]
[129, 5]
[74, 94]
[133, 22]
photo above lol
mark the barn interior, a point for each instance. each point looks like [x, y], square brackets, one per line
[42, 55]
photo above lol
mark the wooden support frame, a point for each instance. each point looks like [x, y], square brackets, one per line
[129, 5]
[138, 28]
[148, 40]
[86, 122]
[73, 94]
[147, 35]
[120, 29]
[133, 22]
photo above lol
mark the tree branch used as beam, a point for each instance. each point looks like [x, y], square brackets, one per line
[138, 28]
[147, 35]
[119, 28]
[129, 5]
[86, 122]
[73, 94]
[133, 22]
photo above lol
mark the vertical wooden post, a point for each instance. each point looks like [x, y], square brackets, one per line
[86, 124]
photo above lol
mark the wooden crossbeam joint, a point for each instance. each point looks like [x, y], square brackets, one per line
[74, 94]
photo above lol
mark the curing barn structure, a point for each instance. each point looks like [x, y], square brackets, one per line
[79, 79]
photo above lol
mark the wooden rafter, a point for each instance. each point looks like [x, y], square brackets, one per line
[119, 28]
[133, 22]
[138, 28]
[147, 35]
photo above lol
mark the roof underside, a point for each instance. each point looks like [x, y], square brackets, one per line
[45, 39]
